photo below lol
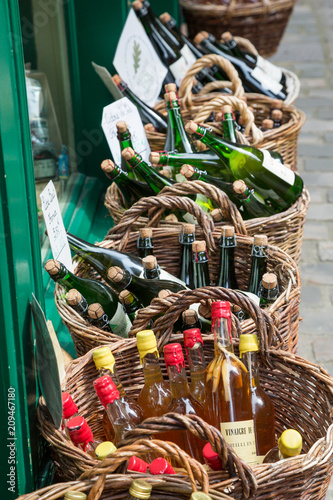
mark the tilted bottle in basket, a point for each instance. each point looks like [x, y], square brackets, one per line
[77, 302]
[98, 317]
[256, 167]
[253, 205]
[227, 276]
[125, 141]
[193, 344]
[69, 410]
[152, 269]
[289, 445]
[92, 290]
[228, 123]
[130, 303]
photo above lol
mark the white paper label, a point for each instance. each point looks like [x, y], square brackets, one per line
[137, 62]
[120, 323]
[277, 168]
[184, 63]
[124, 110]
[273, 71]
[55, 226]
[266, 81]
[241, 437]
[250, 296]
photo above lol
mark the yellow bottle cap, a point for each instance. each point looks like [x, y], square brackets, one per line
[290, 443]
[103, 358]
[75, 495]
[105, 449]
[140, 489]
[146, 343]
[248, 342]
[198, 495]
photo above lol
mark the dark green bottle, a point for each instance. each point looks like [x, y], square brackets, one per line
[186, 238]
[130, 303]
[253, 205]
[92, 291]
[190, 319]
[200, 265]
[151, 268]
[144, 290]
[125, 141]
[163, 30]
[131, 189]
[277, 116]
[77, 302]
[145, 243]
[259, 263]
[176, 138]
[256, 167]
[97, 317]
[227, 276]
[268, 290]
[228, 123]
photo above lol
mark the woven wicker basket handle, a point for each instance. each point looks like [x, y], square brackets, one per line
[155, 206]
[229, 210]
[236, 104]
[163, 325]
[202, 430]
[246, 44]
[266, 5]
[185, 90]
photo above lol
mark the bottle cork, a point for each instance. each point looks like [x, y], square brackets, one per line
[163, 294]
[170, 87]
[95, 311]
[149, 262]
[107, 166]
[205, 311]
[205, 34]
[191, 127]
[137, 5]
[199, 246]
[121, 127]
[128, 153]
[171, 218]
[170, 96]
[154, 158]
[115, 274]
[126, 297]
[117, 80]
[227, 231]
[276, 114]
[277, 104]
[260, 240]
[146, 232]
[165, 17]
[187, 171]
[267, 124]
[189, 316]
[73, 297]
[216, 215]
[227, 36]
[188, 228]
[149, 127]
[166, 172]
[52, 266]
[269, 281]
[227, 109]
[239, 187]
[198, 38]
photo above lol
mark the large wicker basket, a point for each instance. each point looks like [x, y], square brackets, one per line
[262, 22]
[284, 230]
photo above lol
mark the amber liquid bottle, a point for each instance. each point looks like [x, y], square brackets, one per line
[193, 344]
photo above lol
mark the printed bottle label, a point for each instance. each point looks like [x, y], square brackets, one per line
[120, 323]
[273, 71]
[266, 81]
[182, 65]
[241, 437]
[277, 168]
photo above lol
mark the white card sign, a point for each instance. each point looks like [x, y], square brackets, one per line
[137, 62]
[124, 110]
[55, 226]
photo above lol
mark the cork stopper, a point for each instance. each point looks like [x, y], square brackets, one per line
[165, 17]
[170, 87]
[166, 172]
[188, 228]
[189, 316]
[121, 127]
[52, 266]
[199, 246]
[117, 80]
[239, 187]
[277, 104]
[205, 311]
[216, 215]
[73, 297]
[260, 240]
[227, 109]
[269, 281]
[128, 153]
[137, 5]
[191, 127]
[149, 262]
[198, 38]
[95, 311]
[154, 158]
[107, 166]
[126, 297]
[163, 294]
[115, 274]
[149, 127]
[227, 231]
[171, 218]
[146, 232]
[276, 114]
[267, 124]
[170, 96]
[187, 171]
[227, 36]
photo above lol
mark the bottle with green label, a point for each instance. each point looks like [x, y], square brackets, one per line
[268, 290]
[259, 263]
[253, 205]
[256, 167]
[228, 123]
[227, 276]
[93, 291]
[186, 238]
[176, 138]
[200, 261]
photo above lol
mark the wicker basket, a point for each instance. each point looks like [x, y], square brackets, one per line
[285, 311]
[262, 22]
[284, 230]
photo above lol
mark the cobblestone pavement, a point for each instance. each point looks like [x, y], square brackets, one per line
[307, 49]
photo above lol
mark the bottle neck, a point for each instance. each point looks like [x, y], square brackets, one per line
[250, 360]
[221, 327]
[119, 419]
[154, 179]
[186, 238]
[232, 45]
[102, 322]
[62, 275]
[115, 378]
[125, 140]
[151, 369]
[196, 358]
[178, 382]
[229, 128]
[227, 277]
[181, 142]
[152, 274]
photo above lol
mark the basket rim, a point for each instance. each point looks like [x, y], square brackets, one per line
[238, 9]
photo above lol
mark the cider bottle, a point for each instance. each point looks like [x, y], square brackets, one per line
[137, 464]
[69, 410]
[77, 302]
[200, 265]
[193, 344]
[268, 290]
[81, 435]
[186, 238]
[151, 268]
[227, 276]
[145, 243]
[259, 263]
[130, 303]
[98, 318]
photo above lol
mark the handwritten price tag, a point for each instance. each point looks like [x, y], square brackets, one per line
[55, 226]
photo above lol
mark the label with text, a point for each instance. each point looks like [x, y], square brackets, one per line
[120, 323]
[277, 168]
[241, 437]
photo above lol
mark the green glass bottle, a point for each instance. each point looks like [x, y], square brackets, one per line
[97, 317]
[253, 205]
[92, 291]
[125, 141]
[228, 123]
[130, 303]
[145, 290]
[151, 268]
[259, 263]
[256, 167]
[227, 276]
[200, 265]
[186, 238]
[176, 138]
[145, 243]
[268, 290]
[77, 302]
[131, 189]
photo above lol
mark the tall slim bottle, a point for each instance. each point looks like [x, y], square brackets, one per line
[200, 265]
[186, 238]
[227, 276]
[81, 435]
[193, 344]
[125, 141]
[228, 395]
[289, 445]
[145, 243]
[176, 138]
[228, 123]
[259, 263]
[262, 406]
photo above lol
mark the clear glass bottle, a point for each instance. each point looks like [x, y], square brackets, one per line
[193, 344]
[211, 458]
[81, 435]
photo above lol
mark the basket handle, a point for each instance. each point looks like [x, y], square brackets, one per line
[202, 430]
[266, 4]
[185, 90]
[155, 206]
[246, 44]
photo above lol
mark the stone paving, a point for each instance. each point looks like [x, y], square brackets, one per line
[307, 49]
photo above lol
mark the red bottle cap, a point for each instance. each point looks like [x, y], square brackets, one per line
[160, 466]
[106, 390]
[211, 458]
[137, 464]
[173, 355]
[69, 408]
[221, 309]
[191, 337]
[79, 431]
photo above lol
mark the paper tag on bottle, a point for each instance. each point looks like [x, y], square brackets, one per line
[124, 110]
[273, 71]
[241, 437]
[250, 296]
[182, 65]
[120, 323]
[266, 81]
[137, 62]
[55, 226]
[277, 168]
